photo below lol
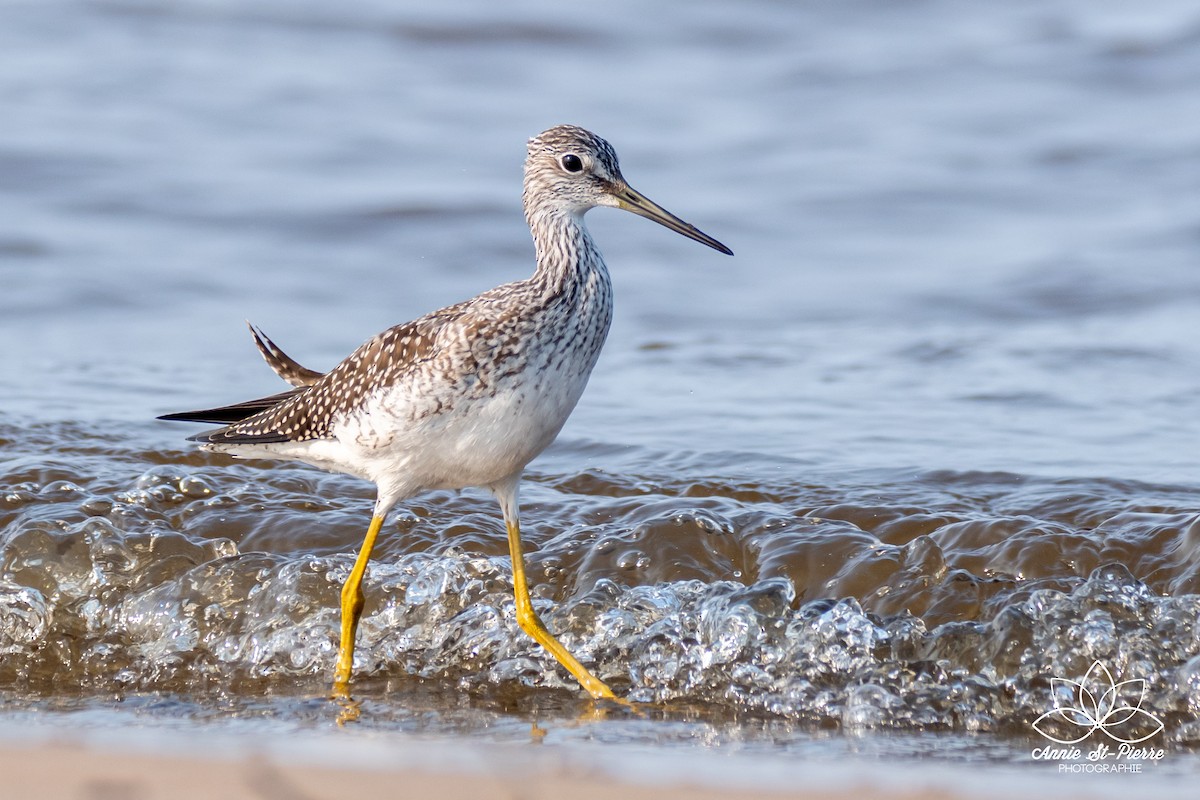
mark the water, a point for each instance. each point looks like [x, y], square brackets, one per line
[925, 443]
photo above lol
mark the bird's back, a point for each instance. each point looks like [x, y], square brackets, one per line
[462, 396]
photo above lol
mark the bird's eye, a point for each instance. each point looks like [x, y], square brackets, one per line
[572, 163]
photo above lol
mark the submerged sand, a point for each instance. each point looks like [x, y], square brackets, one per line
[67, 771]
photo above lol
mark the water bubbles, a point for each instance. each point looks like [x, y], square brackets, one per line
[432, 581]
[657, 661]
[840, 640]
[884, 616]
[166, 486]
[25, 618]
[750, 679]
[1096, 634]
[704, 520]
[166, 630]
[649, 603]
[470, 640]
[1113, 587]
[447, 581]
[290, 650]
[633, 559]
[725, 631]
[60, 490]
[525, 671]
[111, 556]
[1187, 683]
[868, 706]
[195, 486]
[449, 616]
[735, 618]
[18, 494]
[97, 506]
[1042, 604]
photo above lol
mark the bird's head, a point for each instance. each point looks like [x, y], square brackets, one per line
[570, 170]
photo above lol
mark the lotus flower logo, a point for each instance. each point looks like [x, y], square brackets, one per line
[1097, 703]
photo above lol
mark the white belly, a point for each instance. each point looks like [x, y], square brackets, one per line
[476, 442]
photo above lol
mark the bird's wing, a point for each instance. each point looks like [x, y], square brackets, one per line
[311, 411]
[231, 414]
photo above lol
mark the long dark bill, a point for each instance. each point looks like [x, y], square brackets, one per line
[633, 200]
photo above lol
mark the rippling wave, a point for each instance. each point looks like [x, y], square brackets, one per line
[914, 601]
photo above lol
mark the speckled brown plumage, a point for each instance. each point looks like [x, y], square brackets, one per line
[284, 365]
[470, 394]
[310, 412]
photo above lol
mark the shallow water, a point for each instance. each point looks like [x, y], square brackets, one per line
[930, 601]
[927, 442]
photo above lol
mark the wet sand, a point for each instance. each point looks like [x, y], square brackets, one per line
[69, 771]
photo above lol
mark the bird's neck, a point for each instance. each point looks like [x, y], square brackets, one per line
[566, 255]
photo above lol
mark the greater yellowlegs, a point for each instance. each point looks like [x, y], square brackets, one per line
[465, 396]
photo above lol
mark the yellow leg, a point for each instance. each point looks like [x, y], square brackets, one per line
[527, 618]
[352, 606]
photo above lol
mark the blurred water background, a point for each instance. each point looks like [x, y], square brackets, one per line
[926, 442]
